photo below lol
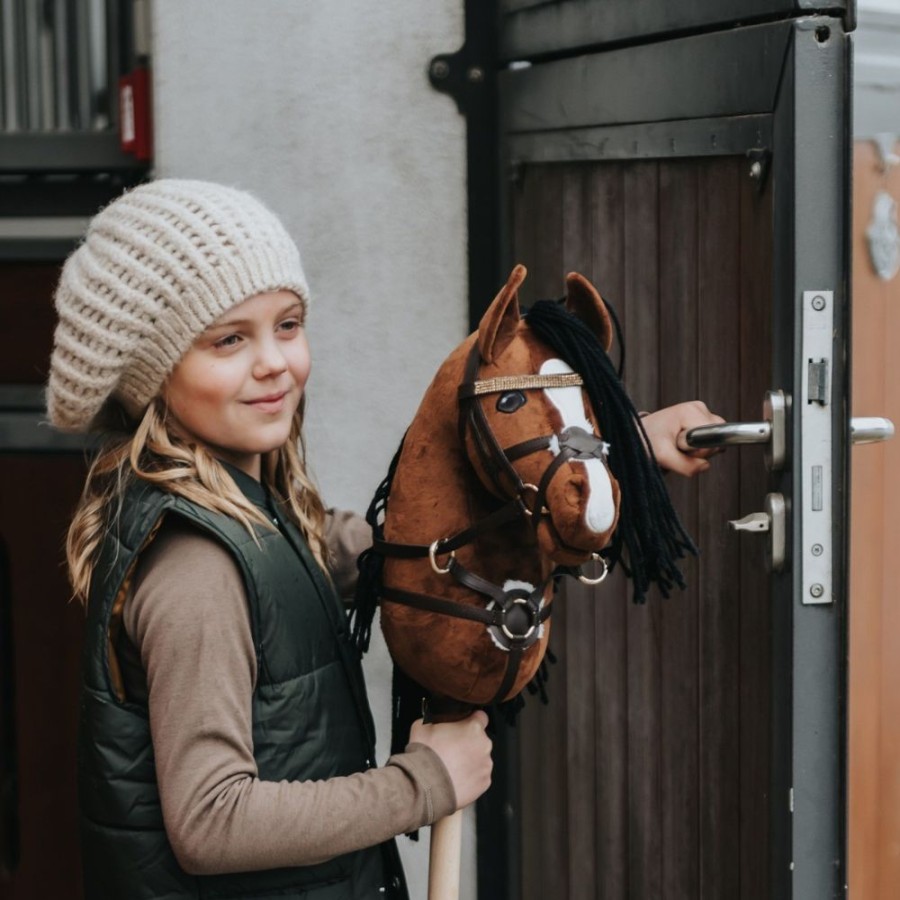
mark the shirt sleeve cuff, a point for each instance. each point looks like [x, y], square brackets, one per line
[428, 772]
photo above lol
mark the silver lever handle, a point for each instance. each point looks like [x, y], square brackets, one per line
[772, 432]
[863, 430]
[870, 429]
[728, 434]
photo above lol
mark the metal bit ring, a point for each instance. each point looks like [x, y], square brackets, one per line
[526, 486]
[432, 558]
[592, 581]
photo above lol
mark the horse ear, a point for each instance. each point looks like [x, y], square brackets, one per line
[498, 324]
[583, 301]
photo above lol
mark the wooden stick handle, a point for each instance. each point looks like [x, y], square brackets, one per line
[444, 859]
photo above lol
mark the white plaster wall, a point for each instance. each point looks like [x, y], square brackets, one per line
[324, 110]
[876, 69]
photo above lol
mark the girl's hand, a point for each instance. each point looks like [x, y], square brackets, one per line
[663, 429]
[465, 750]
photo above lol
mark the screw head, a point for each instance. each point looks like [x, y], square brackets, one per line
[817, 549]
[816, 590]
[756, 169]
[818, 303]
[440, 69]
[475, 74]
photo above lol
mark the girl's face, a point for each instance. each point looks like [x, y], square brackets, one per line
[237, 389]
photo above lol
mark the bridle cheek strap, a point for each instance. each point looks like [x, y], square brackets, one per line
[472, 418]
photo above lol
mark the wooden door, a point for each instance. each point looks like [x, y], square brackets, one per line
[40, 630]
[653, 707]
[693, 746]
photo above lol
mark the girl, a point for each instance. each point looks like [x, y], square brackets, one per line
[226, 746]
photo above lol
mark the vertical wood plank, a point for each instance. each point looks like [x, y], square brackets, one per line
[546, 276]
[719, 608]
[524, 206]
[611, 798]
[754, 678]
[580, 603]
[642, 324]
[577, 219]
[554, 854]
[678, 211]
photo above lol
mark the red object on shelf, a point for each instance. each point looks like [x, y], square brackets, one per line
[135, 126]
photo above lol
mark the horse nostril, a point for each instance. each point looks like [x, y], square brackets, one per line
[577, 491]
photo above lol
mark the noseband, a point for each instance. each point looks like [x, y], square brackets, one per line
[514, 617]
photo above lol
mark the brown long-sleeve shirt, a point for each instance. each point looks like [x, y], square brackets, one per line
[187, 618]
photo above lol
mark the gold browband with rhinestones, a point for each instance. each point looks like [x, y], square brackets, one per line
[521, 383]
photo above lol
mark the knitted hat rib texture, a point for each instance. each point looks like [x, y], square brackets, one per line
[158, 266]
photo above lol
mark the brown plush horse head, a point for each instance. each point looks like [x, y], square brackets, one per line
[502, 484]
[491, 434]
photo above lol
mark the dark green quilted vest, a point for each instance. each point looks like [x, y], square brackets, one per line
[307, 673]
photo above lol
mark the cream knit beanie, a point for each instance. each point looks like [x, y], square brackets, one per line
[157, 266]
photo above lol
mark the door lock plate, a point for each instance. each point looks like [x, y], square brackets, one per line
[815, 448]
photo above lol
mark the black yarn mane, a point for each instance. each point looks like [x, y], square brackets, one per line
[371, 564]
[649, 539]
[406, 694]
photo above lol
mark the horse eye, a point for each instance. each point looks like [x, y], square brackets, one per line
[510, 401]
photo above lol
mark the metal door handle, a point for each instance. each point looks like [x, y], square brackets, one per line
[728, 434]
[772, 431]
[870, 429]
[863, 430]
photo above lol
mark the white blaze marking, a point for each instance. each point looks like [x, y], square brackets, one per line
[600, 509]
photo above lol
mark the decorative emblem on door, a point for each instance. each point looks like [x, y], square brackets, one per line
[884, 236]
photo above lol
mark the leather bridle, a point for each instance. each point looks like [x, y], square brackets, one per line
[513, 617]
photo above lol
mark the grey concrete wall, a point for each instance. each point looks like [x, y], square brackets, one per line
[324, 110]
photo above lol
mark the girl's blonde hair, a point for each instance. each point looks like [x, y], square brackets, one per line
[159, 452]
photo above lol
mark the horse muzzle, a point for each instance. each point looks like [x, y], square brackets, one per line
[580, 499]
